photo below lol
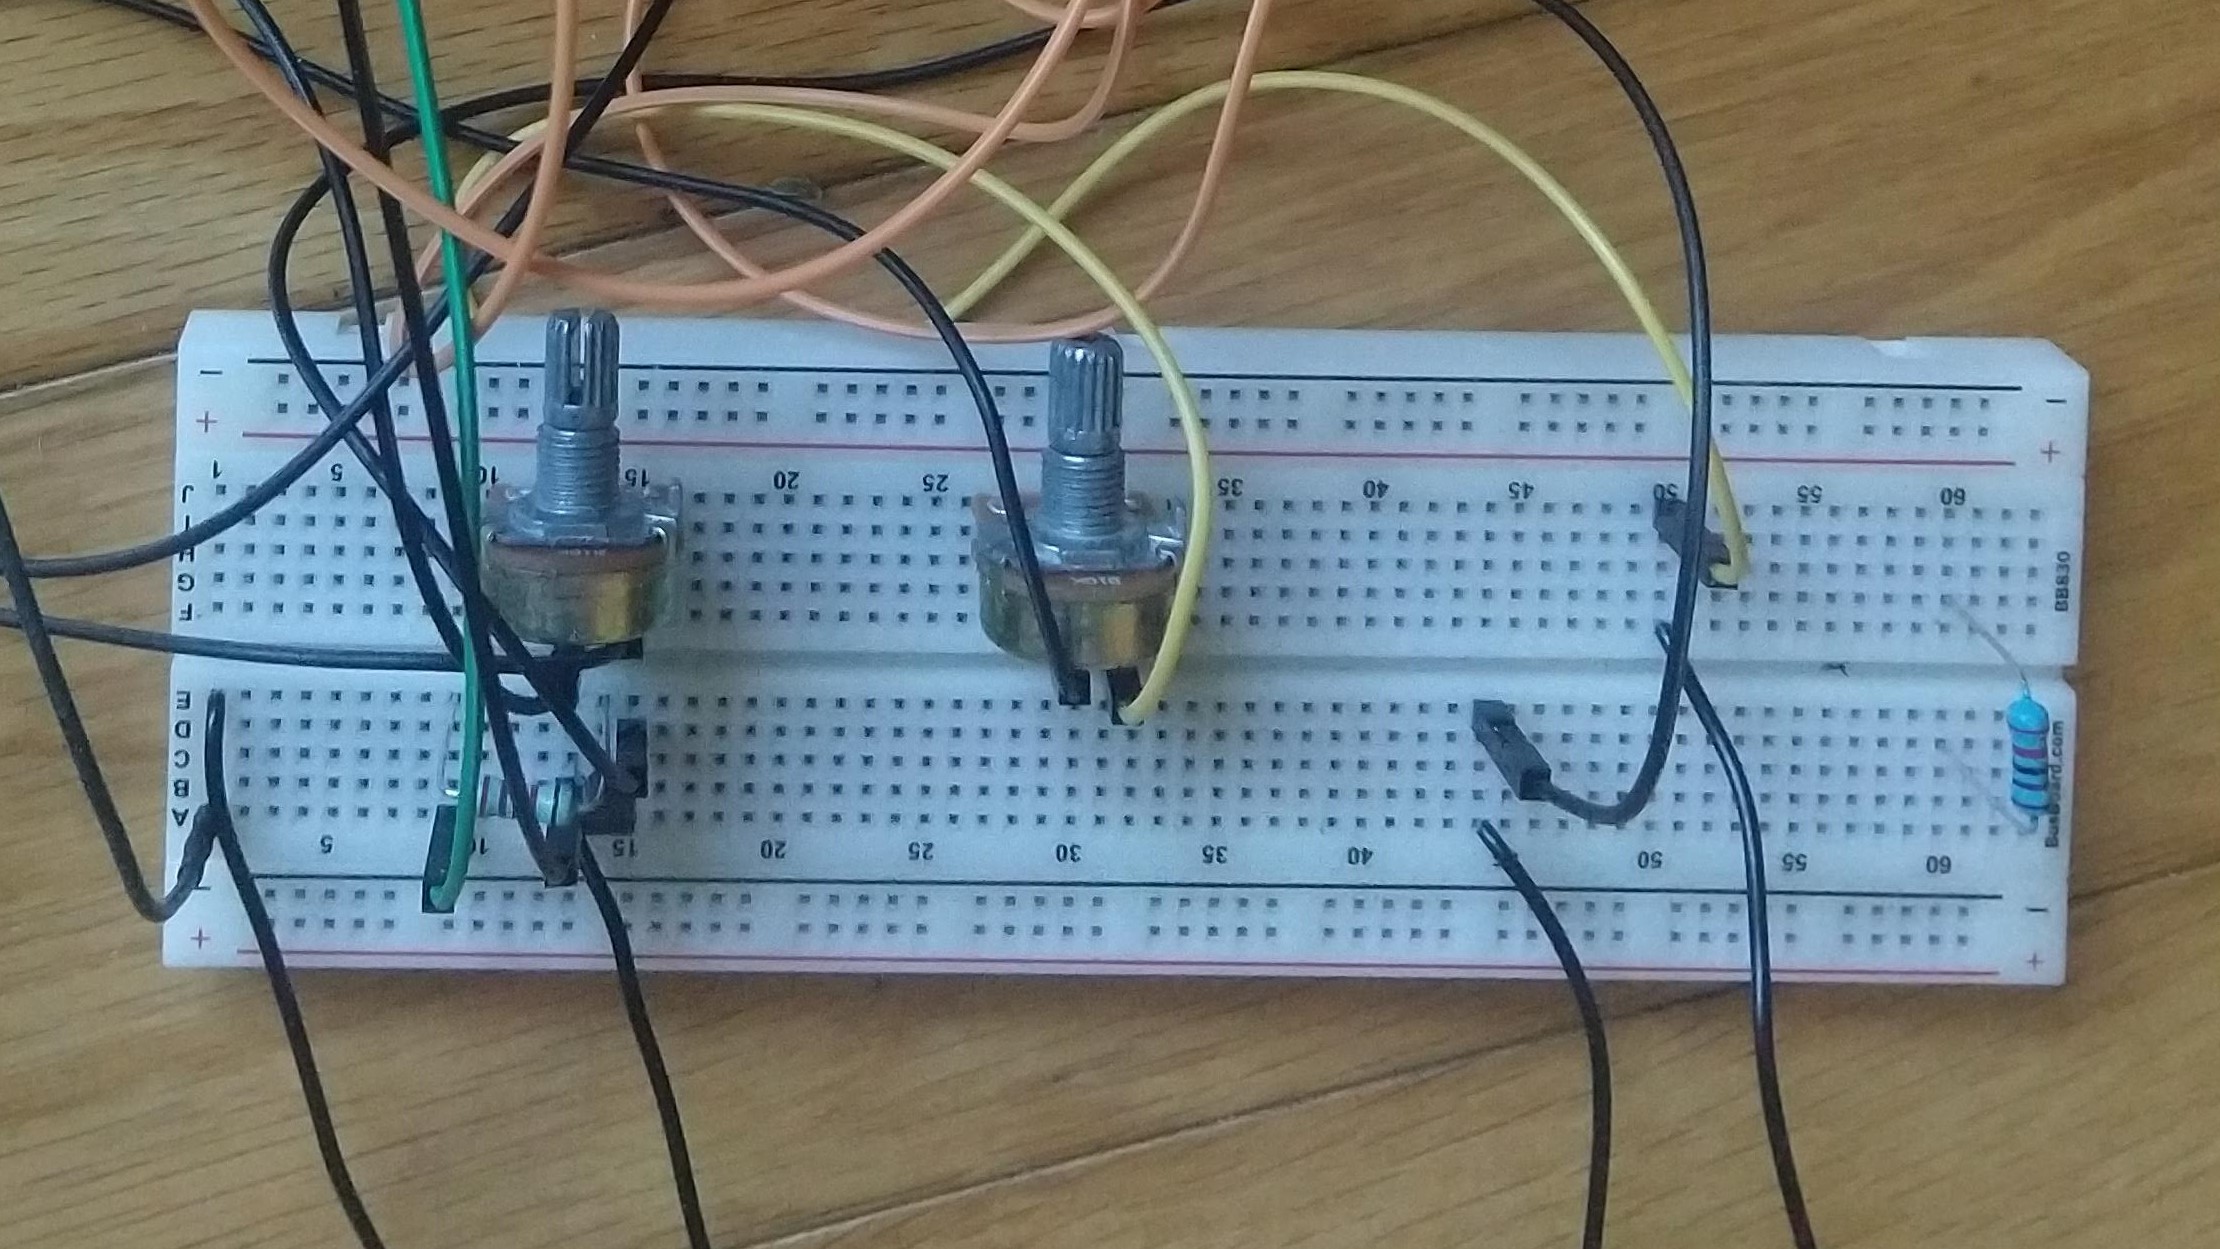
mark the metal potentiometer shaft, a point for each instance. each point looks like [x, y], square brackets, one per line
[579, 558]
[1109, 559]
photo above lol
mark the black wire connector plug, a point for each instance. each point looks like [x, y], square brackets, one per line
[572, 809]
[1670, 519]
[1125, 686]
[1496, 727]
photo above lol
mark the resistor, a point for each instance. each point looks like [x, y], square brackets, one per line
[2029, 724]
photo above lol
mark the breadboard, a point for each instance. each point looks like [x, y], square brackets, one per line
[847, 776]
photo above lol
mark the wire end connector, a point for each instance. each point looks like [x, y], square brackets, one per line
[1496, 727]
[1669, 517]
[1074, 687]
[437, 852]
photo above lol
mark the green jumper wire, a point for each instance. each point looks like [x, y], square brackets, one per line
[441, 179]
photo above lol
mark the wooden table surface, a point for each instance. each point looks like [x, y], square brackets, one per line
[1875, 167]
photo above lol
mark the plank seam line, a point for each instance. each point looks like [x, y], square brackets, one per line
[1401, 1077]
[2162, 876]
[32, 389]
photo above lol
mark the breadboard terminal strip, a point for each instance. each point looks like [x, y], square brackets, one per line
[847, 776]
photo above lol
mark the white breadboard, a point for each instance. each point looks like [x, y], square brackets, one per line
[847, 776]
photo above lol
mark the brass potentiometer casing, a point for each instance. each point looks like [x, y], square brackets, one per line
[1109, 559]
[578, 557]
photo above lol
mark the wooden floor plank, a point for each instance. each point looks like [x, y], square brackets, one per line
[1877, 167]
[1989, 1120]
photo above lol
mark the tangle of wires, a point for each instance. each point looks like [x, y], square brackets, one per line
[387, 122]
[890, 78]
[421, 323]
[379, 457]
[1756, 905]
[1530, 777]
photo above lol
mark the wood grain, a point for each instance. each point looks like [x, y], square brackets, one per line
[1965, 1119]
[1875, 167]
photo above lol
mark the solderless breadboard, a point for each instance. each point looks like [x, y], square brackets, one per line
[847, 776]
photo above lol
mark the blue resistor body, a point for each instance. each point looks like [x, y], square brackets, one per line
[2029, 723]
